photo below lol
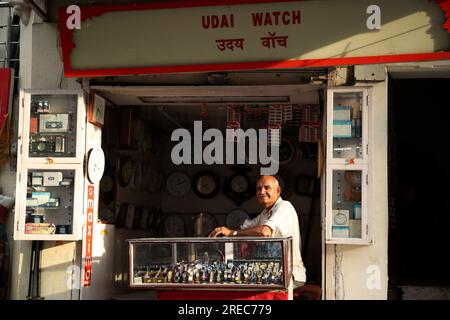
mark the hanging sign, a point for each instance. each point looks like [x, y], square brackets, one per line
[195, 36]
[89, 233]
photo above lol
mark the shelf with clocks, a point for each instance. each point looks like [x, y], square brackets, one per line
[347, 209]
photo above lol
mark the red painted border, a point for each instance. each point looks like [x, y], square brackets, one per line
[259, 65]
[97, 10]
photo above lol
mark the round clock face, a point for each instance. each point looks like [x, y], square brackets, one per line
[204, 223]
[206, 184]
[178, 184]
[126, 171]
[287, 151]
[96, 165]
[174, 226]
[340, 219]
[236, 218]
[239, 184]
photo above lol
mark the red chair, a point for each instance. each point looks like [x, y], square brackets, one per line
[308, 292]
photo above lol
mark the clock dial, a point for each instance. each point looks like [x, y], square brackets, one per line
[95, 165]
[126, 171]
[340, 218]
[239, 184]
[287, 151]
[206, 184]
[174, 226]
[236, 218]
[178, 184]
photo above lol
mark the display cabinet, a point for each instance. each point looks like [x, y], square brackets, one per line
[49, 202]
[50, 182]
[347, 208]
[53, 126]
[227, 263]
[347, 124]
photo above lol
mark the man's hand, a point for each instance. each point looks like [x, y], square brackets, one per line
[220, 231]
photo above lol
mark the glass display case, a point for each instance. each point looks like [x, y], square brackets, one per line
[49, 182]
[347, 125]
[211, 263]
[49, 206]
[347, 166]
[53, 126]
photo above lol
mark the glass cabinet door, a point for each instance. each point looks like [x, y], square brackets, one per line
[49, 203]
[347, 220]
[53, 126]
[347, 124]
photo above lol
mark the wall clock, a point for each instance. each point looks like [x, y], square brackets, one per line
[178, 184]
[95, 165]
[235, 218]
[173, 226]
[206, 184]
[341, 217]
[126, 171]
[287, 151]
[239, 187]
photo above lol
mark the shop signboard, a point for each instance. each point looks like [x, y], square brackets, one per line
[195, 36]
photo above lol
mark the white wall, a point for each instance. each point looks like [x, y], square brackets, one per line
[347, 265]
[41, 68]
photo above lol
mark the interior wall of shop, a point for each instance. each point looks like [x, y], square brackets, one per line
[191, 205]
[41, 68]
[360, 271]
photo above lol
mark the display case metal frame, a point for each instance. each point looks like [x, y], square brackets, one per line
[285, 261]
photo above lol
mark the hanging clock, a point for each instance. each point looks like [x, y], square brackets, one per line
[206, 184]
[235, 218]
[204, 223]
[95, 165]
[287, 151]
[178, 184]
[126, 171]
[107, 188]
[173, 226]
[239, 187]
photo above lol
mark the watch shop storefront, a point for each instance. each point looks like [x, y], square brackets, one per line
[161, 121]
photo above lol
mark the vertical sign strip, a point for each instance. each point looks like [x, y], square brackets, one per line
[89, 228]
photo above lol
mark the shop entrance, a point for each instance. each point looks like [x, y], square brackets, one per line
[145, 194]
[419, 217]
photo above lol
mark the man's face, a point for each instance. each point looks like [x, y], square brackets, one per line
[267, 191]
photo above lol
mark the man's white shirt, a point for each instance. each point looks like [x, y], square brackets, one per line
[283, 220]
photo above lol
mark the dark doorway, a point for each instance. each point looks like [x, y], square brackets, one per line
[419, 177]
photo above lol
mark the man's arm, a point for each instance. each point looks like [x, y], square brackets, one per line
[258, 231]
